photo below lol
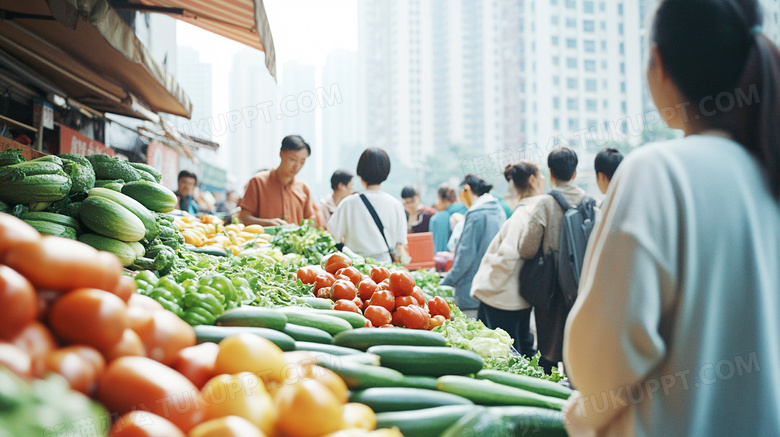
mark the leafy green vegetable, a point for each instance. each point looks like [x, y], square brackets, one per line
[522, 366]
[471, 334]
[308, 241]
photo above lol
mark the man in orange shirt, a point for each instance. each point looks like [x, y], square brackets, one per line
[275, 197]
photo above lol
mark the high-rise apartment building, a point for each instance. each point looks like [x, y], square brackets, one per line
[297, 111]
[195, 77]
[339, 115]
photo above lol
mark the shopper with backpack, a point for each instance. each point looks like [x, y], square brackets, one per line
[553, 290]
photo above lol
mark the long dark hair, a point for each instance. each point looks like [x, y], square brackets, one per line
[716, 54]
[520, 173]
[478, 185]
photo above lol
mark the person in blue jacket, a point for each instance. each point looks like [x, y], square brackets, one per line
[440, 223]
[484, 218]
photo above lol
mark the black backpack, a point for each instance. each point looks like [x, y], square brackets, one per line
[576, 228]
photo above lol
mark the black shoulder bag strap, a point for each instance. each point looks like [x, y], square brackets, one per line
[378, 223]
[558, 196]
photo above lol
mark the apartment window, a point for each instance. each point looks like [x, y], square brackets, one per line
[571, 43]
[556, 60]
[622, 68]
[623, 87]
[591, 105]
[620, 8]
[554, 20]
[555, 40]
[556, 80]
[592, 124]
[571, 83]
[603, 64]
[606, 104]
[554, 2]
[573, 124]
[571, 63]
[622, 49]
[589, 26]
[571, 4]
[603, 46]
[556, 103]
[603, 25]
[623, 107]
[620, 28]
[556, 123]
[602, 7]
[590, 65]
[571, 23]
[588, 7]
[590, 46]
[591, 85]
[571, 104]
[604, 84]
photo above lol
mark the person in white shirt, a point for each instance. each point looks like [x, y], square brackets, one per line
[496, 285]
[676, 328]
[352, 223]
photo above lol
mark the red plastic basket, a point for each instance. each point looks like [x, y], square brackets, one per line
[421, 251]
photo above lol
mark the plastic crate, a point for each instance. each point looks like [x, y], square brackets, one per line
[421, 251]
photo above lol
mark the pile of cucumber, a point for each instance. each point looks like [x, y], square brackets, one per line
[410, 378]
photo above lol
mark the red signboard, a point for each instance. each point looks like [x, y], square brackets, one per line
[78, 144]
[166, 161]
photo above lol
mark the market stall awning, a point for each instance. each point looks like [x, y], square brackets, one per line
[85, 48]
[244, 21]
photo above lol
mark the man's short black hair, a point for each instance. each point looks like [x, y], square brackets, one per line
[607, 162]
[295, 142]
[408, 192]
[373, 166]
[187, 174]
[563, 163]
[340, 176]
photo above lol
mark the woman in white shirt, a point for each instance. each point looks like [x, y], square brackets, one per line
[496, 285]
[352, 222]
[675, 331]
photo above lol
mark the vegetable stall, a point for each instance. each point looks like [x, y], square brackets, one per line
[140, 322]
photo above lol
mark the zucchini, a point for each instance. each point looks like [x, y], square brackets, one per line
[360, 376]
[108, 218]
[139, 248]
[215, 334]
[254, 317]
[540, 421]
[147, 217]
[364, 338]
[331, 325]
[382, 399]
[146, 176]
[536, 385]
[307, 333]
[484, 392]
[37, 188]
[318, 303]
[151, 195]
[125, 252]
[325, 348]
[428, 360]
[49, 228]
[354, 319]
[141, 167]
[427, 382]
[428, 422]
[52, 217]
[107, 167]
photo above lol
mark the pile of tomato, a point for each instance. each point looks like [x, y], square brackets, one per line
[386, 299]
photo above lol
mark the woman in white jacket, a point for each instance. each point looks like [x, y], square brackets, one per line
[496, 285]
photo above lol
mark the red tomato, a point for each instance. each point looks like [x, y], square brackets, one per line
[35, 340]
[396, 320]
[15, 360]
[401, 283]
[383, 286]
[18, 304]
[146, 302]
[324, 293]
[368, 324]
[125, 288]
[358, 302]
[346, 305]
[71, 365]
[418, 296]
[144, 424]
[307, 274]
[402, 301]
[436, 320]
[141, 383]
[89, 316]
[64, 264]
[91, 355]
[439, 307]
[414, 317]
[343, 290]
[343, 278]
[366, 288]
[379, 274]
[197, 362]
[387, 325]
[378, 315]
[365, 304]
[129, 346]
[337, 261]
[384, 298]
[352, 273]
[323, 280]
[165, 335]
[14, 233]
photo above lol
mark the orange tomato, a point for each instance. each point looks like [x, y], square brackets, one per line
[436, 320]
[379, 274]
[197, 363]
[90, 355]
[35, 339]
[332, 381]
[146, 302]
[18, 304]
[89, 316]
[124, 288]
[143, 424]
[378, 315]
[131, 383]
[230, 426]
[359, 416]
[14, 233]
[366, 288]
[346, 305]
[164, 335]
[308, 409]
[67, 264]
[241, 395]
[251, 353]
[418, 295]
[15, 360]
[335, 262]
[129, 345]
[71, 365]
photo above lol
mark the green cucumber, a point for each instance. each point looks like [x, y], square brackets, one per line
[382, 399]
[360, 376]
[215, 334]
[364, 338]
[428, 422]
[540, 421]
[354, 319]
[307, 333]
[110, 219]
[484, 392]
[52, 217]
[318, 303]
[427, 382]
[428, 360]
[206, 250]
[536, 385]
[325, 348]
[147, 217]
[330, 324]
[254, 317]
